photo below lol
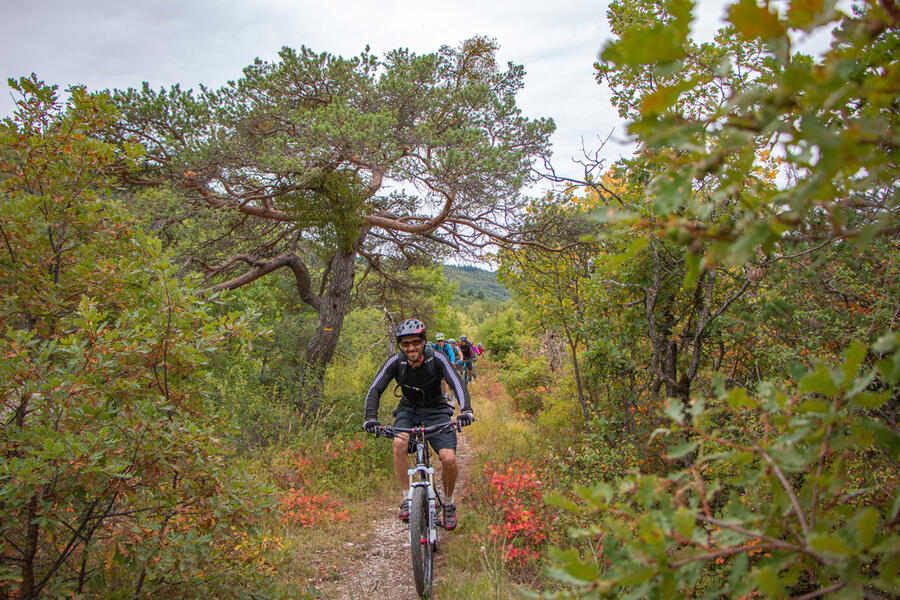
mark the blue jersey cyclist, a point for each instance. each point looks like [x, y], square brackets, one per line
[418, 371]
[444, 347]
[441, 344]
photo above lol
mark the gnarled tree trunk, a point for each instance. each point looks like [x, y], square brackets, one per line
[333, 307]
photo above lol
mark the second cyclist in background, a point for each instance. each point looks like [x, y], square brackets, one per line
[441, 345]
[457, 361]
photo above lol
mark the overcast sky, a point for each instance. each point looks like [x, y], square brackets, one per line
[122, 43]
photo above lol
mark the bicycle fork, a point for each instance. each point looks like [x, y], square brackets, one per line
[426, 480]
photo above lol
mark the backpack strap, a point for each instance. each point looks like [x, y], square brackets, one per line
[403, 365]
[428, 353]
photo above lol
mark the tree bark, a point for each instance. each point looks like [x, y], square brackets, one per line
[333, 307]
[28, 590]
[573, 349]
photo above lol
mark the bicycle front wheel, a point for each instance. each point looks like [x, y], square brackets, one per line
[422, 556]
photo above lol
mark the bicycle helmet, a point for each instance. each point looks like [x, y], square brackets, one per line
[451, 341]
[463, 338]
[410, 327]
[439, 337]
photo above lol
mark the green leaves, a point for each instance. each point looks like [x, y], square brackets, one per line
[793, 508]
[739, 398]
[661, 42]
[720, 139]
[768, 582]
[819, 381]
[865, 524]
[889, 366]
[573, 569]
[808, 14]
[684, 522]
[663, 98]
[753, 21]
[674, 410]
[753, 187]
[682, 449]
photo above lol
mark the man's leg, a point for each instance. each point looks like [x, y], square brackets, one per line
[401, 462]
[449, 470]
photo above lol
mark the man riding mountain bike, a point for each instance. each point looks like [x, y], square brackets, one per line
[467, 349]
[418, 371]
[457, 355]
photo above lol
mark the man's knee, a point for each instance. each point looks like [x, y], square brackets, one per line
[448, 457]
[400, 444]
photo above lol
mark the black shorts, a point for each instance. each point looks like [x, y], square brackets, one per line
[413, 416]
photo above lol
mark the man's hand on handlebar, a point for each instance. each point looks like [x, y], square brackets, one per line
[371, 426]
[465, 418]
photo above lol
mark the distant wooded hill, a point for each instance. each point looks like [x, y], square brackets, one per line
[472, 282]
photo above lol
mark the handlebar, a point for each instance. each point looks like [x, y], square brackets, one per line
[391, 431]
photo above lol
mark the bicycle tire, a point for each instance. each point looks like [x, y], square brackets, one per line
[421, 550]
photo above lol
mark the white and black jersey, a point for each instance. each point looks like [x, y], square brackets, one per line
[420, 386]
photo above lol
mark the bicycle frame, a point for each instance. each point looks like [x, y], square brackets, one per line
[464, 370]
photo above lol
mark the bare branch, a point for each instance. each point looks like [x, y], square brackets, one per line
[262, 267]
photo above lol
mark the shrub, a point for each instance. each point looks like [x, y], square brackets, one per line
[115, 479]
[560, 417]
[346, 384]
[800, 514]
[499, 333]
[515, 491]
[527, 382]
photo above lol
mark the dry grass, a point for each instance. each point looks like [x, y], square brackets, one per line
[499, 434]
[324, 553]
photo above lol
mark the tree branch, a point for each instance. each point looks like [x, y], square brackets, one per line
[262, 267]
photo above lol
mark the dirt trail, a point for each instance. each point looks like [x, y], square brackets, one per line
[380, 565]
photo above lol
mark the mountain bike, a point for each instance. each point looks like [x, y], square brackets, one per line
[424, 502]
